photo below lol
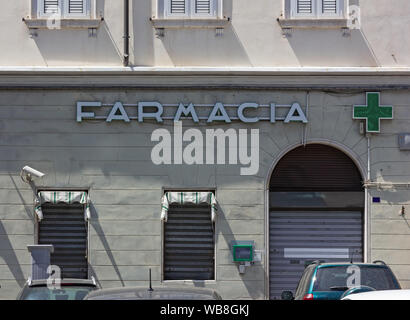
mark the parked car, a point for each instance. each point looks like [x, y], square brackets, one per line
[166, 293]
[70, 289]
[380, 295]
[329, 281]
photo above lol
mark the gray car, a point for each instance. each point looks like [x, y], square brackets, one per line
[70, 289]
[162, 293]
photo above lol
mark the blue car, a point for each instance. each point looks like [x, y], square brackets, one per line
[332, 281]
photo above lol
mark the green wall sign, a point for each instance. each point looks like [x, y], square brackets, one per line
[372, 112]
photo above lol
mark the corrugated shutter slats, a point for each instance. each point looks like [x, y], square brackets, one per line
[64, 227]
[316, 167]
[310, 235]
[189, 243]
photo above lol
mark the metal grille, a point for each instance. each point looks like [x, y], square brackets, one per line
[76, 6]
[50, 6]
[329, 6]
[316, 168]
[64, 227]
[300, 236]
[203, 6]
[178, 6]
[304, 6]
[189, 247]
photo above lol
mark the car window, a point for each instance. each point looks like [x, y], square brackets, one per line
[65, 293]
[304, 281]
[379, 278]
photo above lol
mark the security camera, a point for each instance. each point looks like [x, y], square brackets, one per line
[28, 173]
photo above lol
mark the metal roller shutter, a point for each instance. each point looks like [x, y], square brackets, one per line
[300, 236]
[316, 167]
[189, 246]
[64, 227]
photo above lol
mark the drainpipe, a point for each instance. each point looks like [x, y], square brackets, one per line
[126, 33]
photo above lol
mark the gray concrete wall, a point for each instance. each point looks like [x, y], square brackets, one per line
[38, 129]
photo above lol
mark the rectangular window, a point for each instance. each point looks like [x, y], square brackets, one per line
[317, 8]
[191, 8]
[65, 8]
[63, 223]
[189, 238]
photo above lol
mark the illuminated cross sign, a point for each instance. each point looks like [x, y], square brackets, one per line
[373, 112]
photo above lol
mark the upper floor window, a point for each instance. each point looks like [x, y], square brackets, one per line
[64, 8]
[191, 8]
[317, 9]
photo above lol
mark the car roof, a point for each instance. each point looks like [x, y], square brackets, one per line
[67, 281]
[380, 295]
[338, 264]
[143, 293]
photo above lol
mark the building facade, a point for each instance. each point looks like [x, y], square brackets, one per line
[280, 125]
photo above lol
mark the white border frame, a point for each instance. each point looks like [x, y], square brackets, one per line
[366, 214]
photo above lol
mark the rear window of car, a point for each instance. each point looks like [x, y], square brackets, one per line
[336, 278]
[65, 293]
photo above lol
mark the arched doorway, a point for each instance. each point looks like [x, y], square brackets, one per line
[316, 206]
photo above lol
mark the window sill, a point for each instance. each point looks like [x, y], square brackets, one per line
[325, 23]
[181, 23]
[64, 24]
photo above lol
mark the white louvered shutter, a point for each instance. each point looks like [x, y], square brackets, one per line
[202, 6]
[178, 7]
[76, 7]
[329, 6]
[50, 7]
[304, 6]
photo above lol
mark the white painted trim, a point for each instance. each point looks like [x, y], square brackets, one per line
[254, 70]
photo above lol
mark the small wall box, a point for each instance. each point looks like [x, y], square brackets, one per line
[242, 252]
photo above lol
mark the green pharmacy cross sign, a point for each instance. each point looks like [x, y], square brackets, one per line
[372, 112]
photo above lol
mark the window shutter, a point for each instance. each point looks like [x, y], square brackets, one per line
[329, 6]
[178, 6]
[64, 227]
[304, 6]
[76, 6]
[189, 243]
[51, 6]
[203, 6]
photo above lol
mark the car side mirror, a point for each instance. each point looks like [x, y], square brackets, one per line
[287, 295]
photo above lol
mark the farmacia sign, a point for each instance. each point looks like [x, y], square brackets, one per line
[195, 146]
[183, 111]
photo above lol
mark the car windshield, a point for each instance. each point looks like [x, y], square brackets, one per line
[65, 293]
[336, 278]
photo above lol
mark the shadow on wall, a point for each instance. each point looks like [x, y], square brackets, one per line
[101, 235]
[255, 291]
[79, 47]
[204, 47]
[142, 46]
[7, 250]
[331, 48]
